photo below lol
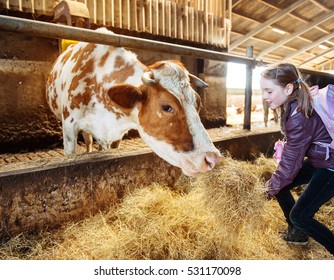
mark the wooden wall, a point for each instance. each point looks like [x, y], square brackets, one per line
[200, 21]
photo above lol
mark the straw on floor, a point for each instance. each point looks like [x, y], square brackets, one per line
[219, 215]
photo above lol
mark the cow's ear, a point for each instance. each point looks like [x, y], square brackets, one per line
[197, 81]
[125, 95]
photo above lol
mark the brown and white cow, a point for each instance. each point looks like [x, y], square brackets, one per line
[105, 91]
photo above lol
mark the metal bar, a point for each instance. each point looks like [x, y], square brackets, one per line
[51, 30]
[248, 91]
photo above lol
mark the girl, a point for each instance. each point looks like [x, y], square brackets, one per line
[303, 161]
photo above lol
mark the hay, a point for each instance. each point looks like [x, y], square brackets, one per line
[219, 215]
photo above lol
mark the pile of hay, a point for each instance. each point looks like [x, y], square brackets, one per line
[219, 215]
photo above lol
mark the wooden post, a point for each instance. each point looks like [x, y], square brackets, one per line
[248, 91]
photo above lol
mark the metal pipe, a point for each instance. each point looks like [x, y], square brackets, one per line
[248, 91]
[51, 30]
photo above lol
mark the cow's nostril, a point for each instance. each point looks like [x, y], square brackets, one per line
[210, 164]
[212, 159]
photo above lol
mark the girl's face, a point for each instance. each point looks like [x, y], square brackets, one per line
[274, 94]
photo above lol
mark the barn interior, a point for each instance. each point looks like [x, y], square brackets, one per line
[205, 35]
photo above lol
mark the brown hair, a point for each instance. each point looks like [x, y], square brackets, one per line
[283, 74]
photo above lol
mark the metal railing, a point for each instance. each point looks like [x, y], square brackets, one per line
[51, 30]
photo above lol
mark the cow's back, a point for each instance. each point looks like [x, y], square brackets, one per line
[82, 75]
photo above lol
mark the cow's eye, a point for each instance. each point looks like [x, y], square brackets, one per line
[167, 108]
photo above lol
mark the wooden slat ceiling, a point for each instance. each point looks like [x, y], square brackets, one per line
[306, 29]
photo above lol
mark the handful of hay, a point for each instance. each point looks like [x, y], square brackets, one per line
[219, 215]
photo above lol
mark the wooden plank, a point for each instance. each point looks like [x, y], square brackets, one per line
[206, 19]
[222, 24]
[196, 20]
[39, 6]
[120, 14]
[149, 18]
[155, 17]
[192, 23]
[134, 15]
[162, 19]
[141, 16]
[127, 14]
[124, 14]
[179, 22]
[15, 5]
[174, 24]
[112, 12]
[185, 18]
[201, 22]
[216, 22]
[116, 13]
[107, 12]
[100, 12]
[196, 23]
[212, 29]
[7, 4]
[169, 19]
[91, 7]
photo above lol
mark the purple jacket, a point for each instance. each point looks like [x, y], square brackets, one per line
[301, 133]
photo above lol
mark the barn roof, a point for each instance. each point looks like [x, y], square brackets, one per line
[300, 32]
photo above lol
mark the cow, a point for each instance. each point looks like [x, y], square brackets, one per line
[266, 113]
[321, 79]
[104, 91]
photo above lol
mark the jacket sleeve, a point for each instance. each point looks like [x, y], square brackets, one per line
[298, 141]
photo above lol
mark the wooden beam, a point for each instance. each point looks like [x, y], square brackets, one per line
[310, 46]
[267, 23]
[317, 56]
[298, 17]
[295, 34]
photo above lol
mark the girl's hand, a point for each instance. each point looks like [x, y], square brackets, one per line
[267, 193]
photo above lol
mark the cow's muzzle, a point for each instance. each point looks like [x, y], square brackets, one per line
[201, 164]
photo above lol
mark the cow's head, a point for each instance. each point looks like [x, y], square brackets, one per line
[166, 109]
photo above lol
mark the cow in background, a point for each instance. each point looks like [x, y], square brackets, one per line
[266, 113]
[313, 78]
[105, 91]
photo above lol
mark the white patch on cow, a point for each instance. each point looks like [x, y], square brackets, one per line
[161, 148]
[104, 30]
[102, 123]
[159, 114]
[173, 78]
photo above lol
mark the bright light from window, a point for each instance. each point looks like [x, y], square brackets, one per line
[323, 47]
[278, 31]
[236, 76]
